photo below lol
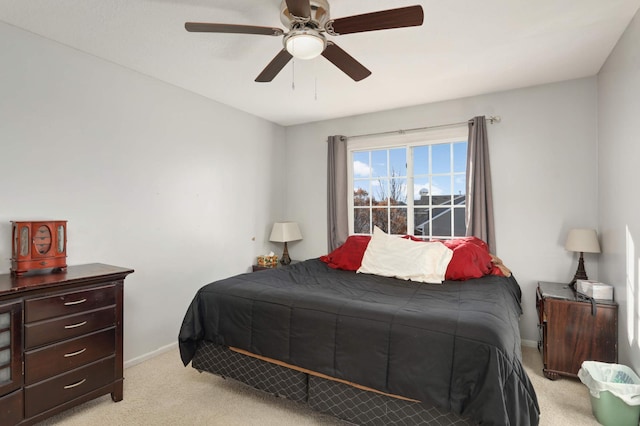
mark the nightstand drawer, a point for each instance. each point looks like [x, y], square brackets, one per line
[65, 356]
[66, 387]
[49, 331]
[69, 303]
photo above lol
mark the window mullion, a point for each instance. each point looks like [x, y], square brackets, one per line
[430, 208]
[451, 196]
[410, 193]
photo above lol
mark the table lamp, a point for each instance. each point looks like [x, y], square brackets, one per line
[582, 240]
[284, 232]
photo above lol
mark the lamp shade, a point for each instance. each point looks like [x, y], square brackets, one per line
[582, 240]
[285, 231]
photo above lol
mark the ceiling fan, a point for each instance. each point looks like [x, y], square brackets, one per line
[308, 22]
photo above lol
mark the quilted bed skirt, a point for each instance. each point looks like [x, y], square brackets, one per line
[323, 394]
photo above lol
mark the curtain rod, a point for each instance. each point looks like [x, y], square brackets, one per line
[491, 119]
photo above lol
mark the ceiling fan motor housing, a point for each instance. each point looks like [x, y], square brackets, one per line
[318, 18]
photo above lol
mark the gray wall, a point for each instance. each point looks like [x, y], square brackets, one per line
[543, 159]
[619, 201]
[149, 176]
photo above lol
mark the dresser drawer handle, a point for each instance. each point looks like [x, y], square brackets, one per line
[80, 324]
[75, 384]
[70, 354]
[75, 302]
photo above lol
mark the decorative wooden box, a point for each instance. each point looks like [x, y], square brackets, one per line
[38, 245]
[268, 261]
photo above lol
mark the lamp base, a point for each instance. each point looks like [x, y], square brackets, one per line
[285, 255]
[581, 274]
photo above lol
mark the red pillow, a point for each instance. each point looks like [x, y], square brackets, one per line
[349, 255]
[471, 259]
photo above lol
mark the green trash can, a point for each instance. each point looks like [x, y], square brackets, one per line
[615, 392]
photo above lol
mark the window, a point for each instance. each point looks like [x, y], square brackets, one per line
[409, 187]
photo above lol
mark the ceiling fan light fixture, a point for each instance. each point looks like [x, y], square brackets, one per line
[305, 44]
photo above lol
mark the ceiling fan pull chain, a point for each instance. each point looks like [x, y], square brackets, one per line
[315, 95]
[293, 75]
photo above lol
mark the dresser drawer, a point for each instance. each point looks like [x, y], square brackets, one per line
[69, 303]
[11, 408]
[65, 356]
[53, 330]
[66, 387]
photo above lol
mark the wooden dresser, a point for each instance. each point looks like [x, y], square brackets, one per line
[60, 340]
[573, 330]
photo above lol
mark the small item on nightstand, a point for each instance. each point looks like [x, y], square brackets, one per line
[594, 289]
[268, 261]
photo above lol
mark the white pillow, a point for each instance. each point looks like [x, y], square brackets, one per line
[393, 256]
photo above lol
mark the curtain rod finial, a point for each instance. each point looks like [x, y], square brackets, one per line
[494, 119]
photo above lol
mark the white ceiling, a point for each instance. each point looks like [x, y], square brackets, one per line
[464, 48]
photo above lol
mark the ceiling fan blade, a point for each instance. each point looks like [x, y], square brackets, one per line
[345, 62]
[410, 16]
[299, 8]
[274, 67]
[203, 27]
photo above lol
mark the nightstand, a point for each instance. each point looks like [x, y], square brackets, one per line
[573, 330]
[278, 266]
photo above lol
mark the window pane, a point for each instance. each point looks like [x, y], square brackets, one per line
[441, 158]
[421, 218]
[460, 156]
[421, 160]
[398, 159]
[459, 199]
[421, 191]
[460, 184]
[361, 167]
[459, 228]
[398, 221]
[441, 200]
[441, 222]
[397, 191]
[379, 163]
[380, 192]
[361, 194]
[361, 221]
[441, 186]
[380, 219]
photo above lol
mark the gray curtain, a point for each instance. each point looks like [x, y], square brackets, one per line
[337, 193]
[479, 210]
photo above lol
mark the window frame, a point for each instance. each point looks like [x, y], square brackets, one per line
[407, 140]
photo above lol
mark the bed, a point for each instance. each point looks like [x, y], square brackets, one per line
[367, 348]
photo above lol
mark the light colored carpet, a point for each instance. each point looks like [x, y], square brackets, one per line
[161, 391]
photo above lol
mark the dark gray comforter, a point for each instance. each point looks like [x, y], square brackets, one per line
[456, 345]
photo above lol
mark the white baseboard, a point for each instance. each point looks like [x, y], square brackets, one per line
[149, 355]
[529, 343]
